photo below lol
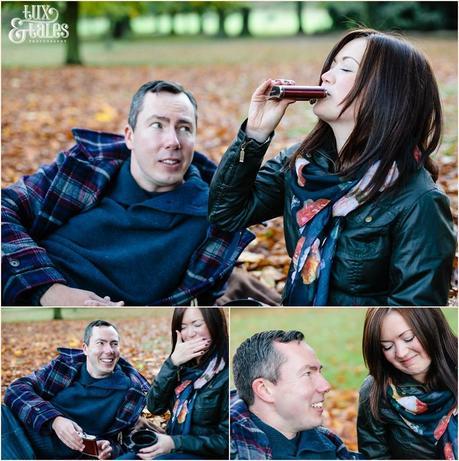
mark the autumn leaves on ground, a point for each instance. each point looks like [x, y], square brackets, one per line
[145, 343]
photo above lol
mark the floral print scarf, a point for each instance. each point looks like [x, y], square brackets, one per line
[192, 380]
[430, 414]
[320, 201]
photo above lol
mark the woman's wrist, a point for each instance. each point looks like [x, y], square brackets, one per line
[174, 360]
[259, 136]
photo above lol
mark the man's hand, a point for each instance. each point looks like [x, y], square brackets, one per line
[62, 295]
[68, 432]
[187, 350]
[164, 445]
[105, 449]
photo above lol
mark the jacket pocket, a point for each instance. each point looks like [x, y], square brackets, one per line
[207, 409]
[363, 254]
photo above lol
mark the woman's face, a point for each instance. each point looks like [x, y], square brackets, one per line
[338, 81]
[193, 325]
[401, 347]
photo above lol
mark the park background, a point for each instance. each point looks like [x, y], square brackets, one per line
[30, 337]
[220, 51]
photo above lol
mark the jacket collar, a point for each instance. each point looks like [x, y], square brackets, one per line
[77, 357]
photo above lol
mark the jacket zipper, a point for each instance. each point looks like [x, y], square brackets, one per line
[323, 154]
[242, 153]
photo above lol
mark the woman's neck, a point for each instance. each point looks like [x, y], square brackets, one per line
[342, 131]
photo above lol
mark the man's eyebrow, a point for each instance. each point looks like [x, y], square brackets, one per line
[310, 368]
[167, 119]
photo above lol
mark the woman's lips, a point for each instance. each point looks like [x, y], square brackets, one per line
[407, 361]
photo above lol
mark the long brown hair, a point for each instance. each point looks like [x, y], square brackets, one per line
[436, 337]
[215, 320]
[398, 110]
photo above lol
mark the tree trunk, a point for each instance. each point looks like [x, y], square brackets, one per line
[172, 28]
[221, 23]
[201, 23]
[245, 11]
[299, 15]
[72, 53]
[121, 27]
[57, 313]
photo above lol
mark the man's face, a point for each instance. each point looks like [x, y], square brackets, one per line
[162, 143]
[102, 352]
[299, 393]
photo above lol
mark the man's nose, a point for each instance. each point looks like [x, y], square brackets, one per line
[323, 385]
[172, 141]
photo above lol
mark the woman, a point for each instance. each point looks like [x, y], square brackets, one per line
[408, 404]
[193, 385]
[364, 222]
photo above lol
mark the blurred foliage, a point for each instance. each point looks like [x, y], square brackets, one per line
[404, 15]
[393, 15]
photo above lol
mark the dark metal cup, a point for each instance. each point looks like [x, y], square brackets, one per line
[141, 439]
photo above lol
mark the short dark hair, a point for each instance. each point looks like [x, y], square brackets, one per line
[257, 357]
[436, 337]
[215, 320]
[96, 323]
[156, 86]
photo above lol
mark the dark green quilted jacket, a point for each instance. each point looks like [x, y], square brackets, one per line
[396, 250]
[209, 423]
[389, 438]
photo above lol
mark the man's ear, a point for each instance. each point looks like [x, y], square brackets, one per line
[85, 349]
[129, 136]
[262, 389]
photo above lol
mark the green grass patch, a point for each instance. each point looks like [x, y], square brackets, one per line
[32, 314]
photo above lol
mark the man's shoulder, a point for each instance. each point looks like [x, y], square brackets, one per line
[67, 354]
[205, 166]
[247, 440]
[333, 441]
[242, 425]
[238, 408]
[100, 144]
[138, 382]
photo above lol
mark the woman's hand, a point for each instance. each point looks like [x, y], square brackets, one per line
[164, 445]
[264, 113]
[187, 350]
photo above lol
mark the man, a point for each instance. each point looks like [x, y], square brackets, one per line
[92, 391]
[120, 220]
[276, 412]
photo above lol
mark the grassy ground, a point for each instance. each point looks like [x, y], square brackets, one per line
[334, 333]
[18, 314]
